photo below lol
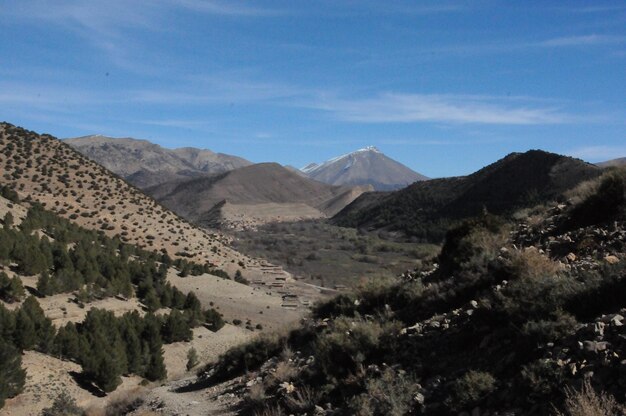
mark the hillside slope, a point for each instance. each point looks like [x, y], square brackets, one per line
[520, 318]
[262, 185]
[366, 166]
[613, 163]
[425, 208]
[144, 163]
[47, 170]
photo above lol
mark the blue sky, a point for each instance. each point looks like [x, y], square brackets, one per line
[445, 87]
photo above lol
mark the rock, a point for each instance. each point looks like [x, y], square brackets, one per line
[595, 346]
[617, 320]
[287, 387]
[598, 328]
[319, 411]
[611, 259]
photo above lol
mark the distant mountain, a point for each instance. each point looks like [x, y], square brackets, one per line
[145, 164]
[366, 166]
[257, 193]
[426, 208]
[613, 162]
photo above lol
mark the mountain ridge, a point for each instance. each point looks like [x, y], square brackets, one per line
[144, 163]
[262, 185]
[517, 180]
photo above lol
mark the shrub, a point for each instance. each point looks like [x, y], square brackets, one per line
[561, 325]
[390, 394]
[587, 402]
[603, 204]
[63, 405]
[303, 400]
[347, 344]
[470, 389]
[247, 357]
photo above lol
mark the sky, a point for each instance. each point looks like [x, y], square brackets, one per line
[445, 87]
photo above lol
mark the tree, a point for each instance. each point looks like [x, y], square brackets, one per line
[67, 342]
[213, 319]
[8, 220]
[13, 376]
[192, 359]
[153, 349]
[193, 309]
[25, 335]
[176, 328]
[44, 284]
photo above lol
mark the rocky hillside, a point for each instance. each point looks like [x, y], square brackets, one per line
[44, 169]
[515, 318]
[425, 209]
[263, 190]
[144, 164]
[366, 166]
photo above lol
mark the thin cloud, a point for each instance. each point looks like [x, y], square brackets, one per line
[226, 8]
[412, 108]
[584, 40]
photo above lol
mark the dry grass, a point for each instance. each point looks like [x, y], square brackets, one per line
[588, 402]
[256, 395]
[285, 371]
[588, 188]
[531, 264]
[303, 400]
[270, 411]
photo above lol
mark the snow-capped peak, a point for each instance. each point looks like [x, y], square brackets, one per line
[312, 167]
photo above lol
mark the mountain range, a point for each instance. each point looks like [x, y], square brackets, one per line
[367, 166]
[143, 163]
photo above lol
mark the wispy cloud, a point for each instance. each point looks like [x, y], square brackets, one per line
[411, 108]
[599, 153]
[110, 26]
[226, 8]
[583, 40]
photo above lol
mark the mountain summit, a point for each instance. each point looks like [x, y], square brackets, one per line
[367, 166]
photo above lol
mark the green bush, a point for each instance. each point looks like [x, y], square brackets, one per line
[468, 390]
[63, 405]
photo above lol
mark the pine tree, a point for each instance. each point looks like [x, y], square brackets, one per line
[176, 328]
[193, 309]
[192, 359]
[13, 376]
[44, 330]
[44, 285]
[67, 342]
[25, 335]
[153, 349]
[8, 220]
[7, 324]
